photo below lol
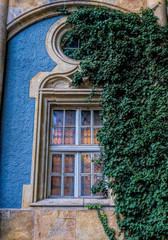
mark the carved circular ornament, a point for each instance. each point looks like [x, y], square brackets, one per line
[53, 42]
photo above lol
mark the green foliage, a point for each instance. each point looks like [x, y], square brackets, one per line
[127, 55]
[103, 219]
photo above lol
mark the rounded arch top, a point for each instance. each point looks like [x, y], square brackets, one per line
[51, 10]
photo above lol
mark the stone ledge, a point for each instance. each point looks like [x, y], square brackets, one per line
[72, 202]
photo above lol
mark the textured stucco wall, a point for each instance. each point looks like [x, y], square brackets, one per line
[26, 56]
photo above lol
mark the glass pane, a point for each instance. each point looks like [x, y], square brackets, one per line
[86, 163]
[99, 167]
[95, 131]
[70, 118]
[85, 135]
[56, 163]
[86, 118]
[69, 186]
[69, 163]
[69, 136]
[57, 136]
[86, 186]
[96, 118]
[57, 119]
[56, 186]
[96, 179]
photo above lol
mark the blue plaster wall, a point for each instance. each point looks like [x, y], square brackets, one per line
[26, 56]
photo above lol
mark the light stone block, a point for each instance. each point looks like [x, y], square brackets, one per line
[54, 225]
[16, 224]
[89, 226]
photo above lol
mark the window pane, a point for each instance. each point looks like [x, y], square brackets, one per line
[85, 135]
[56, 186]
[57, 119]
[86, 118]
[69, 186]
[57, 138]
[96, 179]
[99, 167]
[70, 118]
[85, 163]
[95, 131]
[69, 163]
[56, 163]
[70, 136]
[96, 118]
[86, 186]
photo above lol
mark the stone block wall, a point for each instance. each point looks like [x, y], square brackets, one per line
[54, 224]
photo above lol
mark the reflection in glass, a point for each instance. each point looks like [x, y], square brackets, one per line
[86, 118]
[86, 186]
[69, 137]
[69, 163]
[85, 135]
[70, 118]
[57, 118]
[85, 163]
[56, 186]
[96, 118]
[98, 168]
[69, 186]
[95, 131]
[57, 137]
[96, 179]
[56, 163]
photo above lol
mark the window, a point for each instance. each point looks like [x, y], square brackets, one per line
[65, 129]
[73, 146]
[69, 48]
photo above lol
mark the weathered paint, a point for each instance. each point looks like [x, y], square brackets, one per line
[26, 56]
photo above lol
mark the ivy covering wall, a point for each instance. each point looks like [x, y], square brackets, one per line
[127, 55]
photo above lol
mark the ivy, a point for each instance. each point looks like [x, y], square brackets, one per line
[127, 55]
[103, 219]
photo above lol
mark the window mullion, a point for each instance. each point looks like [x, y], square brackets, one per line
[76, 175]
[62, 175]
[91, 127]
[64, 127]
[50, 173]
[77, 127]
[79, 175]
[92, 173]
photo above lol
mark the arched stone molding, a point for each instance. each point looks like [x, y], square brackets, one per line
[52, 88]
[51, 10]
[53, 43]
[3, 19]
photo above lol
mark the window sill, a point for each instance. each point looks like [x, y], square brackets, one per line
[73, 202]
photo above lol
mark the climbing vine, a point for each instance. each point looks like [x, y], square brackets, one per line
[127, 55]
[110, 232]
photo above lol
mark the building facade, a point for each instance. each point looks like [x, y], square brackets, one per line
[48, 129]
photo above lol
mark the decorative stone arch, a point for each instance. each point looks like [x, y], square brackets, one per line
[51, 88]
[51, 10]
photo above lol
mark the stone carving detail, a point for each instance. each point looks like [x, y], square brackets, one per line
[59, 84]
